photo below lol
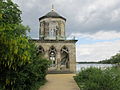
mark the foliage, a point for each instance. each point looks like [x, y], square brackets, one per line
[13, 44]
[25, 76]
[10, 19]
[21, 68]
[113, 60]
[97, 79]
[9, 12]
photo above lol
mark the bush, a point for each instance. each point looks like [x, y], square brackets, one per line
[29, 76]
[97, 79]
[32, 76]
[20, 67]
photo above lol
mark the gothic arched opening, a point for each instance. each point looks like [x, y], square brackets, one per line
[65, 56]
[52, 56]
[40, 50]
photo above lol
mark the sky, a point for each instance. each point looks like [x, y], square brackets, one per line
[94, 23]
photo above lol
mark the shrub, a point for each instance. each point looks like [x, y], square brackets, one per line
[20, 67]
[29, 76]
[97, 79]
[32, 75]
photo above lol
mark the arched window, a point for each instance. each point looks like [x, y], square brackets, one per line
[52, 55]
[40, 50]
[65, 56]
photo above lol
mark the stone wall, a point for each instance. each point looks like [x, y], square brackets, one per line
[46, 24]
[70, 44]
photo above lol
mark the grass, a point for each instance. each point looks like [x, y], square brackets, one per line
[97, 79]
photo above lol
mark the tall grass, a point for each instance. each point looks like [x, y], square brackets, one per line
[97, 79]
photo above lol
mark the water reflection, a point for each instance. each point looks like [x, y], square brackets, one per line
[80, 67]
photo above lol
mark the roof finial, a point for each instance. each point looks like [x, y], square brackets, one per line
[52, 7]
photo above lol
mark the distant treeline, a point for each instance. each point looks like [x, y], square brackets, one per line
[113, 60]
[87, 62]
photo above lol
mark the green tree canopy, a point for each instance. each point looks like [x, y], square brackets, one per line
[113, 60]
[17, 54]
[14, 45]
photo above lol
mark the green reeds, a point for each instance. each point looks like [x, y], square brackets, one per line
[97, 79]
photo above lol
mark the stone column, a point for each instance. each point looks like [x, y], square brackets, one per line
[72, 58]
[46, 51]
[62, 29]
[58, 60]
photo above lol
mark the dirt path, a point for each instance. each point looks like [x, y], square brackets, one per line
[60, 82]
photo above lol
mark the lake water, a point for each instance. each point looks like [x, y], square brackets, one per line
[79, 67]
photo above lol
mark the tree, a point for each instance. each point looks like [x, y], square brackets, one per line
[17, 54]
[116, 59]
[113, 60]
[13, 41]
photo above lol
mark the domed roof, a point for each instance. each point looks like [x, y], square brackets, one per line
[52, 14]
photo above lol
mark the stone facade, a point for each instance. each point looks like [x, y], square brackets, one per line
[52, 43]
[50, 25]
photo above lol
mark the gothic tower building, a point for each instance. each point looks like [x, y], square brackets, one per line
[53, 45]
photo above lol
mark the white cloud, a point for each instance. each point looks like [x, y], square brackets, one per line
[97, 51]
[115, 15]
[100, 18]
[101, 35]
[82, 15]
